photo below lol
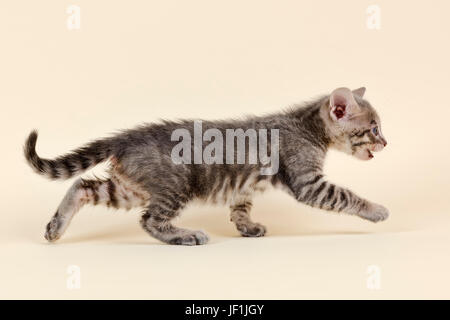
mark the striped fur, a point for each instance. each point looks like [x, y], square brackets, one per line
[69, 165]
[143, 175]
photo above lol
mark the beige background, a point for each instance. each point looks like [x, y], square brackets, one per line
[136, 61]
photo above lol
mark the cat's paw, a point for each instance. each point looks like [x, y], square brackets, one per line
[375, 213]
[252, 230]
[190, 239]
[52, 230]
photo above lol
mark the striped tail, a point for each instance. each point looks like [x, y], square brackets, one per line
[69, 165]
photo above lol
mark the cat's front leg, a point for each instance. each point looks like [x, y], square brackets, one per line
[315, 191]
[240, 215]
[374, 212]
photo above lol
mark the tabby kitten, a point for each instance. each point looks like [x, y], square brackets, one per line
[143, 174]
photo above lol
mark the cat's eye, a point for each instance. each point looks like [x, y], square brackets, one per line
[375, 131]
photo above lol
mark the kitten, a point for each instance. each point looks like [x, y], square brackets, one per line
[143, 173]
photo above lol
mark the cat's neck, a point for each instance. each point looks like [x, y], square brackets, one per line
[313, 118]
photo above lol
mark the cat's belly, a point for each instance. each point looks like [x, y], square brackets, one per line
[227, 192]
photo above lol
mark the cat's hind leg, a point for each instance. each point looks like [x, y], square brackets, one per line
[111, 192]
[156, 220]
[240, 215]
[81, 192]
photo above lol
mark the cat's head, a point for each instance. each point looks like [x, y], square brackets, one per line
[355, 123]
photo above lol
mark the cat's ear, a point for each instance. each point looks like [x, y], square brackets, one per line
[342, 104]
[359, 92]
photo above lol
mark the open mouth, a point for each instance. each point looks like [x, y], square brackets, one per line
[370, 154]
